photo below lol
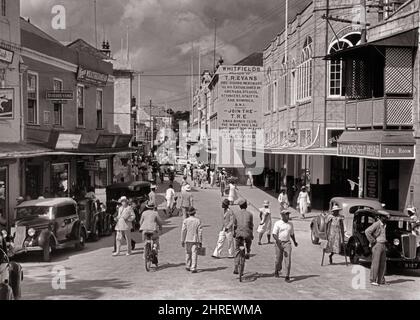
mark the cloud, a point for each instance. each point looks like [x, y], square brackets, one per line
[161, 33]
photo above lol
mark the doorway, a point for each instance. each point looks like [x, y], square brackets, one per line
[390, 184]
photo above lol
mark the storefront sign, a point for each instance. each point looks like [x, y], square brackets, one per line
[6, 103]
[60, 95]
[240, 100]
[397, 151]
[372, 178]
[91, 166]
[362, 150]
[6, 55]
[91, 77]
[68, 141]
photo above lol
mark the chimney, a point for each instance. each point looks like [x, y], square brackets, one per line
[106, 48]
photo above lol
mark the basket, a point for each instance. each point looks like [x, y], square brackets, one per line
[201, 251]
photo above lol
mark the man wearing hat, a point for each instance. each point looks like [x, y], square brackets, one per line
[266, 223]
[283, 232]
[191, 239]
[376, 235]
[152, 195]
[243, 226]
[226, 233]
[186, 200]
[150, 222]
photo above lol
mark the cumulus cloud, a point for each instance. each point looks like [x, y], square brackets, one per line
[161, 33]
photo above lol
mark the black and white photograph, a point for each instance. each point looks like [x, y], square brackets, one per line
[236, 151]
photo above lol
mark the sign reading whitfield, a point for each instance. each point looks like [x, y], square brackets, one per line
[91, 77]
[240, 107]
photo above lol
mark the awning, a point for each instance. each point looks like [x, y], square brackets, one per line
[295, 151]
[405, 39]
[23, 150]
[385, 145]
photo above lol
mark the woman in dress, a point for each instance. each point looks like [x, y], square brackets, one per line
[283, 200]
[233, 194]
[123, 228]
[250, 181]
[303, 202]
[265, 224]
[335, 232]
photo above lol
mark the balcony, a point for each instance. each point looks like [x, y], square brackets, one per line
[383, 113]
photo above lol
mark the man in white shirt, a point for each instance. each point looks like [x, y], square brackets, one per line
[283, 231]
[170, 199]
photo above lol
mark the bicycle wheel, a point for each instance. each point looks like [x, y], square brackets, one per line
[241, 265]
[148, 258]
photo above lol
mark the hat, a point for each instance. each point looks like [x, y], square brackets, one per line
[285, 212]
[191, 211]
[20, 198]
[383, 213]
[226, 202]
[150, 205]
[153, 186]
[266, 203]
[187, 187]
[123, 199]
[241, 202]
[303, 188]
[335, 208]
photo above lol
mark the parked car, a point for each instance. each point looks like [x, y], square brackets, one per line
[137, 190]
[401, 244]
[11, 274]
[46, 225]
[97, 223]
[348, 207]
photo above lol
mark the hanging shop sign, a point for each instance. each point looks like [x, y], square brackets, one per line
[68, 141]
[6, 103]
[372, 178]
[67, 95]
[91, 77]
[6, 55]
[91, 166]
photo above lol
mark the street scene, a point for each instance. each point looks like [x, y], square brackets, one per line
[188, 150]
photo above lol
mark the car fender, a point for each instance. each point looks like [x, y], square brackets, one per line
[75, 229]
[44, 238]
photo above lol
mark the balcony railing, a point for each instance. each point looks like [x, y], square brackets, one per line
[384, 113]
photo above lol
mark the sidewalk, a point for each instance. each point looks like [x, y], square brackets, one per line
[256, 197]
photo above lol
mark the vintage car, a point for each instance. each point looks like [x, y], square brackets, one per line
[348, 207]
[401, 244]
[137, 190]
[97, 222]
[11, 274]
[46, 225]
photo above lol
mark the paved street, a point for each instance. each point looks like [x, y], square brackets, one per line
[95, 274]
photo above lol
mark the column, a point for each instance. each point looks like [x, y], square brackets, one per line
[361, 177]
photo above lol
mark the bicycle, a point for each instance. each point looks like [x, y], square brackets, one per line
[242, 258]
[150, 252]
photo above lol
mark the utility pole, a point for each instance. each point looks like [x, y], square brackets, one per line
[151, 129]
[214, 45]
[96, 26]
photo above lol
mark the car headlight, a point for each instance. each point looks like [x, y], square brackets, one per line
[396, 242]
[31, 232]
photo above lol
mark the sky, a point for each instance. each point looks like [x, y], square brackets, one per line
[165, 34]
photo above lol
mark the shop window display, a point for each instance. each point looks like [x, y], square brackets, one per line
[60, 183]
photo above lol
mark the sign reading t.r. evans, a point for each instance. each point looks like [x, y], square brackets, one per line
[240, 106]
[91, 77]
[6, 55]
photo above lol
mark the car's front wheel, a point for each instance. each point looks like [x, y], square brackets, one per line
[314, 238]
[47, 251]
[354, 258]
[80, 244]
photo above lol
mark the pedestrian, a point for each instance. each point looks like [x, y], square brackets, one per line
[303, 202]
[250, 181]
[186, 201]
[170, 200]
[152, 195]
[222, 179]
[125, 218]
[150, 222]
[233, 192]
[335, 232]
[204, 179]
[191, 239]
[283, 232]
[283, 200]
[226, 234]
[243, 226]
[265, 224]
[162, 174]
[376, 235]
[416, 232]
[266, 182]
[211, 178]
[184, 182]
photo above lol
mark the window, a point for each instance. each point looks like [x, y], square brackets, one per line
[275, 96]
[58, 107]
[80, 106]
[101, 176]
[293, 89]
[282, 84]
[335, 74]
[32, 98]
[99, 108]
[3, 8]
[305, 72]
[305, 137]
[59, 179]
[66, 211]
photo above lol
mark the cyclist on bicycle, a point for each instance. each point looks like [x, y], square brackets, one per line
[243, 225]
[150, 224]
